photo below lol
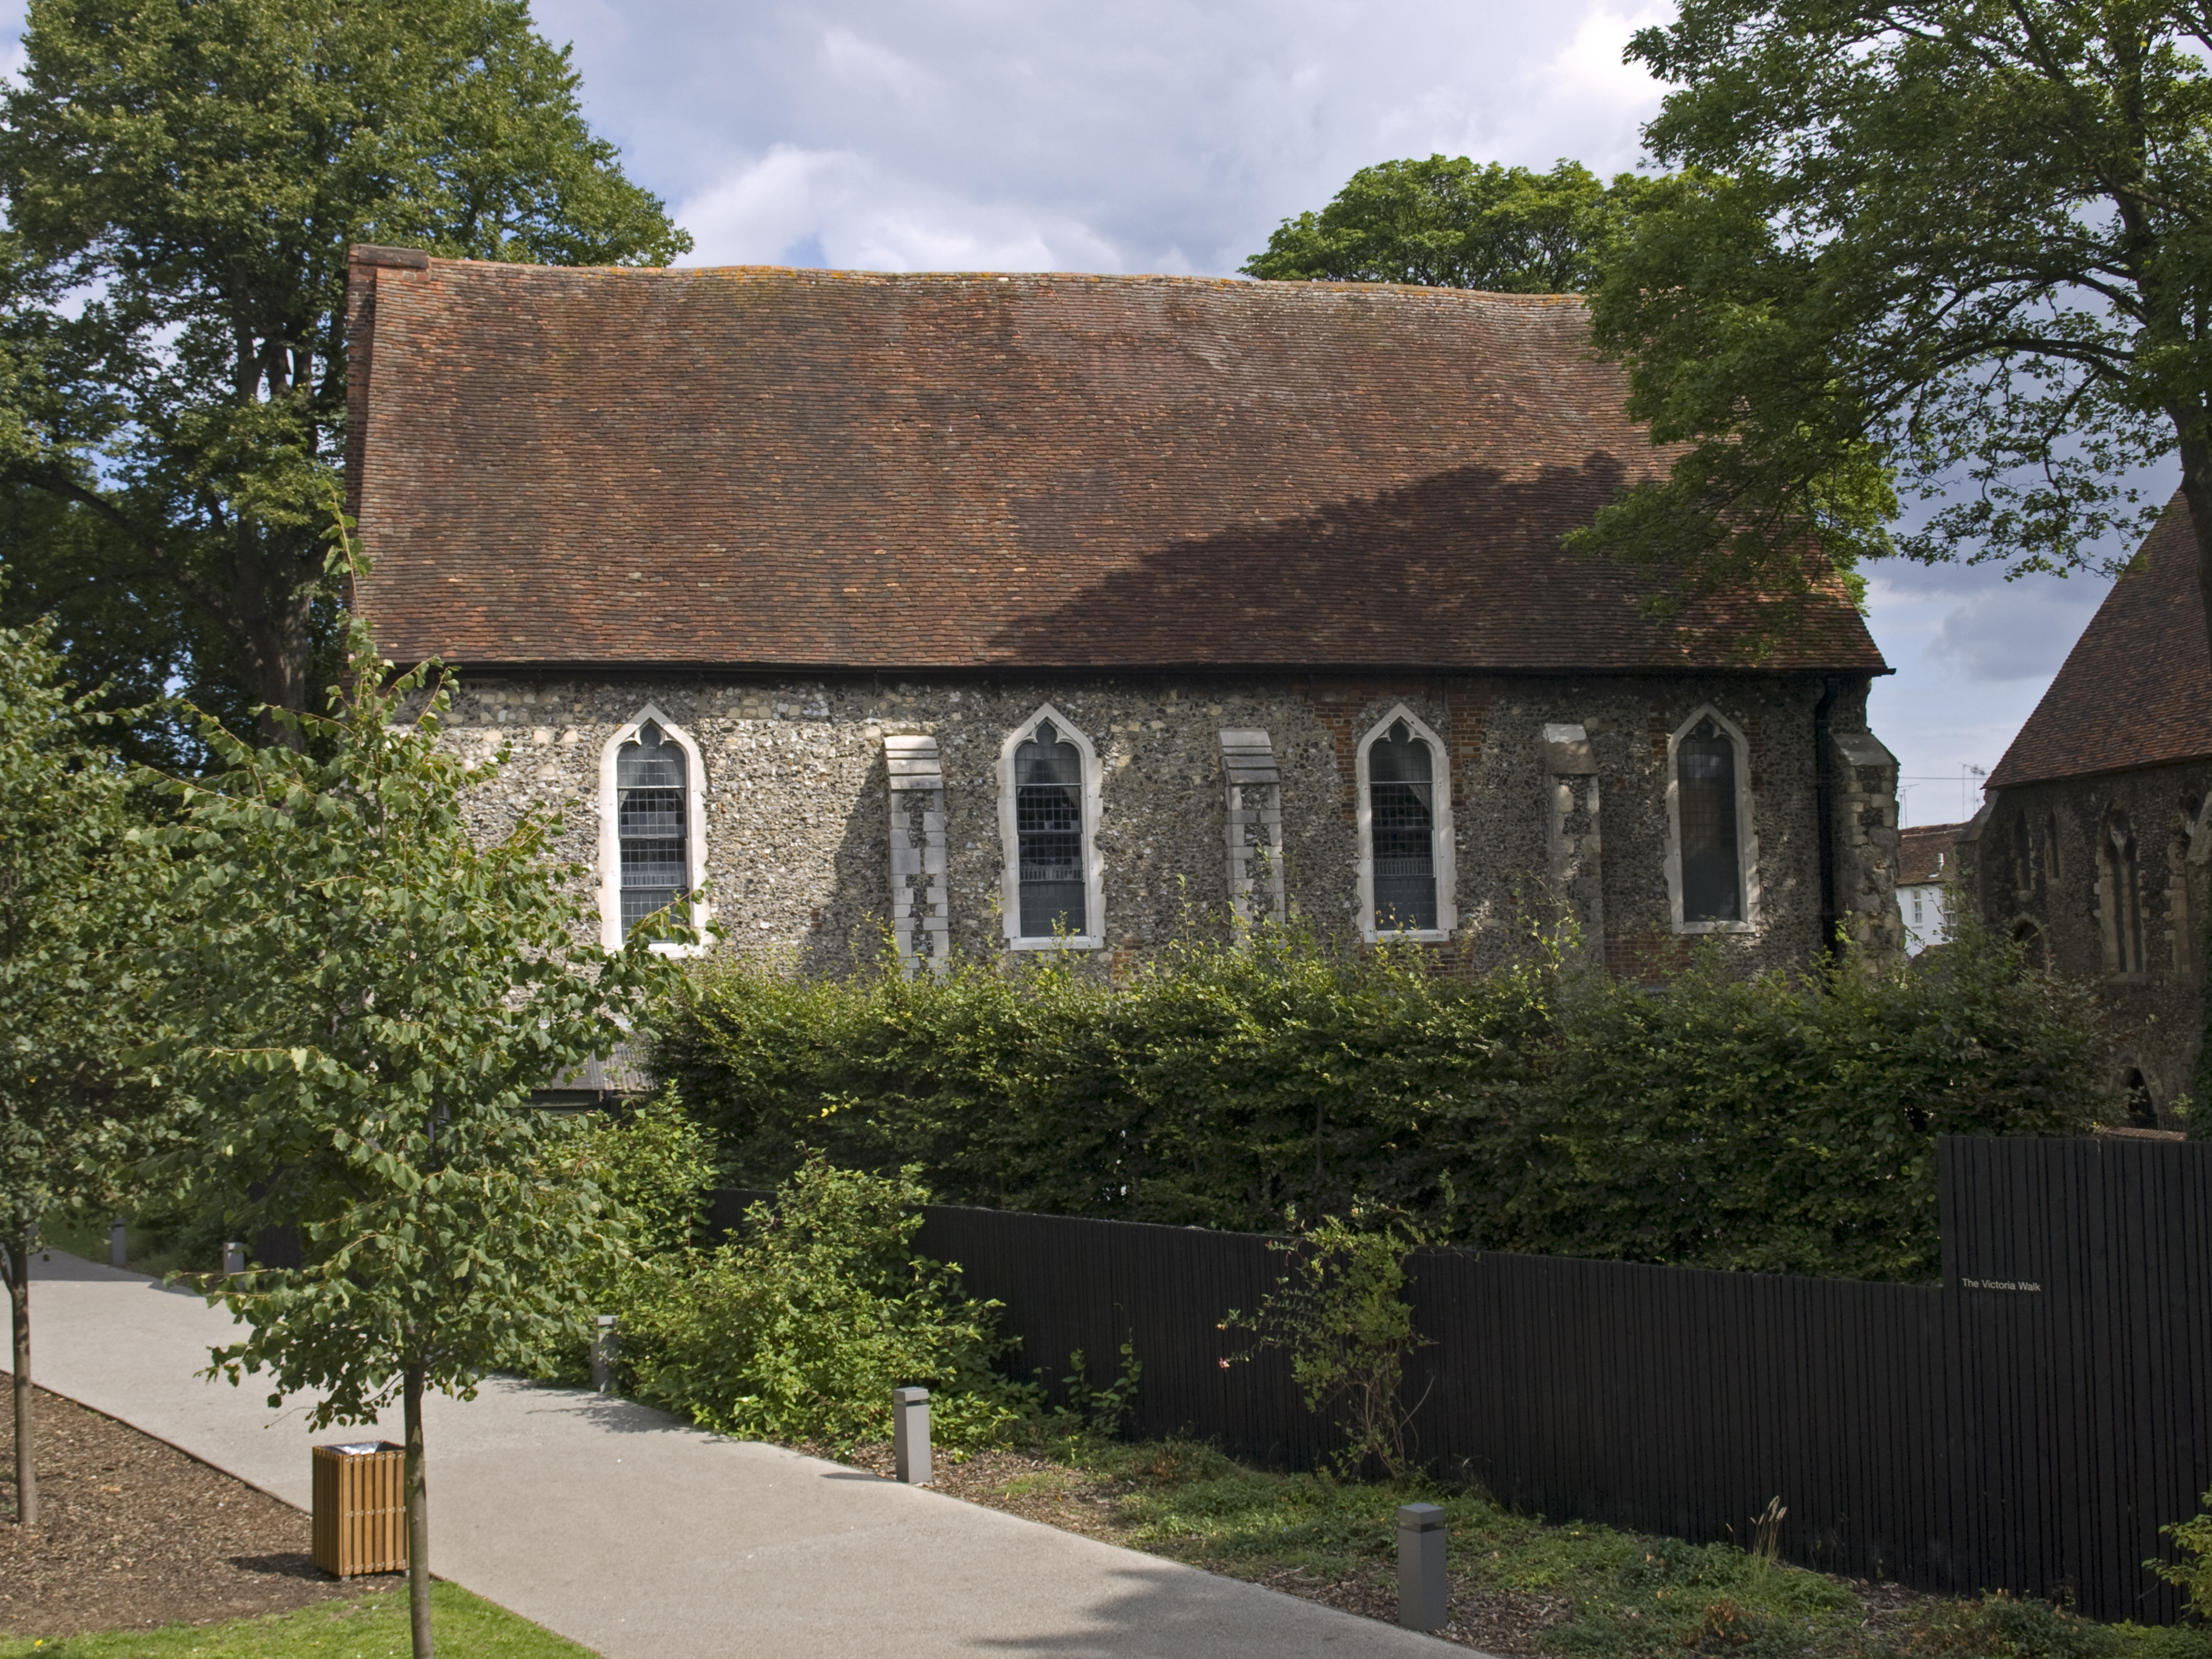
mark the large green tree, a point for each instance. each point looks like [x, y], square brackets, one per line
[181, 180]
[365, 995]
[77, 887]
[1952, 249]
[1446, 222]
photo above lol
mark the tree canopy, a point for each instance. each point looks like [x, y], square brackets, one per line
[1446, 222]
[364, 997]
[1932, 249]
[76, 887]
[180, 185]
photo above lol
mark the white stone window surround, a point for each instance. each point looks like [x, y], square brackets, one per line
[1094, 869]
[1747, 835]
[1440, 833]
[695, 827]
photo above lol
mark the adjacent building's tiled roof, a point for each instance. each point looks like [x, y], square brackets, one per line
[2136, 690]
[1926, 852]
[797, 469]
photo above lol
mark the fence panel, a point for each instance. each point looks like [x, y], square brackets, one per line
[2028, 1426]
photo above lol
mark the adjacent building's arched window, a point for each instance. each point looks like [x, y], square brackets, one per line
[2143, 1113]
[2051, 846]
[1406, 875]
[2023, 854]
[1053, 889]
[651, 825]
[2119, 892]
[1712, 855]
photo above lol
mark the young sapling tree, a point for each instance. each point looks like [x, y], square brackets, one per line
[373, 994]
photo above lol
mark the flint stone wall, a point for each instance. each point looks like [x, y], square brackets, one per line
[797, 824]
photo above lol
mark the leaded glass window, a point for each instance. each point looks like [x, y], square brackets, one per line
[1048, 829]
[1705, 786]
[652, 822]
[1402, 808]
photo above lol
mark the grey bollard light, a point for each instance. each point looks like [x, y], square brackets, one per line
[117, 1255]
[603, 1338]
[910, 1435]
[1422, 1603]
[234, 1260]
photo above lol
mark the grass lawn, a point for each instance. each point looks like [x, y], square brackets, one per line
[370, 1627]
[1519, 1585]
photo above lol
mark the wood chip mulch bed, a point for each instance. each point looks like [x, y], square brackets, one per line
[133, 1534]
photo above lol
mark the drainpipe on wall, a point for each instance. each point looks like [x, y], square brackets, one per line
[1824, 802]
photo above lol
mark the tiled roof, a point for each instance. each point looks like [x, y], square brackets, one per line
[2136, 689]
[1926, 852]
[796, 469]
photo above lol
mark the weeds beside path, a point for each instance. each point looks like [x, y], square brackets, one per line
[1520, 1587]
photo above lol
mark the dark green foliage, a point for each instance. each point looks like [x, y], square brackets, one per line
[1931, 248]
[800, 1327]
[181, 183]
[1446, 222]
[1778, 1124]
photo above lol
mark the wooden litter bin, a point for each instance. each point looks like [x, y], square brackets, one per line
[360, 1508]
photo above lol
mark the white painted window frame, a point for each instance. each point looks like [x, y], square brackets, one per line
[695, 840]
[1094, 867]
[1747, 835]
[1441, 842]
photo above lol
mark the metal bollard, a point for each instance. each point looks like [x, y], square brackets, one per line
[910, 1435]
[234, 1260]
[603, 1354]
[1422, 1602]
[116, 1256]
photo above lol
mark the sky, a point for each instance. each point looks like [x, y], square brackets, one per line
[1172, 135]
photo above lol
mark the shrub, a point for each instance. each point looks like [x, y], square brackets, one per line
[799, 1328]
[1783, 1123]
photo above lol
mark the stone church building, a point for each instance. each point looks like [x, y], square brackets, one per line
[2093, 844]
[964, 614]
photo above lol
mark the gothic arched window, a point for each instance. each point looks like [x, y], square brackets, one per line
[1048, 821]
[1405, 830]
[2119, 891]
[1713, 860]
[653, 827]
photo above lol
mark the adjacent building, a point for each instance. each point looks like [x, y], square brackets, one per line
[2092, 840]
[976, 614]
[1927, 861]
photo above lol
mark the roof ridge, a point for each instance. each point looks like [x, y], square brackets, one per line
[418, 259]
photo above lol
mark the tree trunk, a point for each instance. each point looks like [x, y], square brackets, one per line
[2197, 490]
[19, 1307]
[418, 1519]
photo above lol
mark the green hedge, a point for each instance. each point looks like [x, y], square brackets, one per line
[1780, 1124]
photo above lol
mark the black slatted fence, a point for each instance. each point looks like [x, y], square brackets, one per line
[2027, 1426]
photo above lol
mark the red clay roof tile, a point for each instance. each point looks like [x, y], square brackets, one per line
[794, 469]
[2136, 689]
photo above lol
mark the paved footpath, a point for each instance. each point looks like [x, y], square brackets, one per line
[644, 1539]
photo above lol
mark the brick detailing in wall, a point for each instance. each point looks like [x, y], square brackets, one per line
[1255, 833]
[920, 913]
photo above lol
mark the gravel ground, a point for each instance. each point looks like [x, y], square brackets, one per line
[133, 1534]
